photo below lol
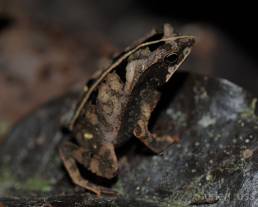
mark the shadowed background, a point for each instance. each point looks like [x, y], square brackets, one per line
[52, 46]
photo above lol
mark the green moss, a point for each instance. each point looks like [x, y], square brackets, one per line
[174, 204]
[4, 127]
[119, 187]
[198, 196]
[227, 169]
[8, 180]
[250, 112]
[37, 184]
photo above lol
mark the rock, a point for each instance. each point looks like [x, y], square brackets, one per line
[214, 164]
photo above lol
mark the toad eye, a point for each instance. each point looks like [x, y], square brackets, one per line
[172, 58]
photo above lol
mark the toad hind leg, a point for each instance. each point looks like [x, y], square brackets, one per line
[69, 154]
[155, 143]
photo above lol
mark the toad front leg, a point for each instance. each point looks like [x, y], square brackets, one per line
[70, 153]
[156, 143]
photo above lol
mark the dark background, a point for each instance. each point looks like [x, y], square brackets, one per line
[50, 47]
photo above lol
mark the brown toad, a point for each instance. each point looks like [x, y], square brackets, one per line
[118, 103]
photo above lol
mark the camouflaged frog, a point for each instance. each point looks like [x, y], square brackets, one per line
[118, 103]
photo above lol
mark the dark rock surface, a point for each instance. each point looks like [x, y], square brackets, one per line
[215, 163]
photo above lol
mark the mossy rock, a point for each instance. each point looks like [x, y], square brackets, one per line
[215, 163]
